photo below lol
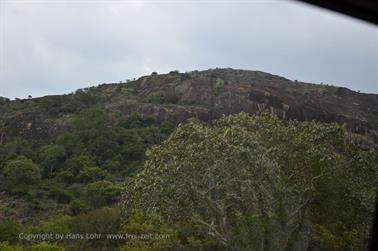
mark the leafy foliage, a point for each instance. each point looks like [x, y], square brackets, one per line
[91, 174]
[44, 246]
[59, 224]
[52, 157]
[256, 183]
[9, 231]
[241, 183]
[75, 173]
[102, 193]
[4, 246]
[100, 221]
[78, 206]
[20, 174]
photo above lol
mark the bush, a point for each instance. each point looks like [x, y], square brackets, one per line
[52, 158]
[102, 193]
[21, 174]
[66, 176]
[92, 174]
[60, 194]
[170, 97]
[101, 221]
[44, 246]
[77, 190]
[185, 76]
[136, 121]
[77, 162]
[4, 246]
[112, 166]
[59, 224]
[78, 206]
[9, 231]
[218, 85]
[175, 72]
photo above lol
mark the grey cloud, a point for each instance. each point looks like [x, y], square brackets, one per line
[57, 47]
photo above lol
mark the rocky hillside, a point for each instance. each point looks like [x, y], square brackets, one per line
[206, 95]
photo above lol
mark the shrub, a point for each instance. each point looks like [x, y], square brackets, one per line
[66, 176]
[102, 193]
[175, 72]
[78, 206]
[101, 221]
[9, 231]
[44, 246]
[91, 174]
[60, 194]
[20, 174]
[4, 246]
[77, 190]
[77, 162]
[218, 85]
[185, 76]
[52, 158]
[59, 224]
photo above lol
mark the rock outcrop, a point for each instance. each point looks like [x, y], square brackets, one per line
[203, 94]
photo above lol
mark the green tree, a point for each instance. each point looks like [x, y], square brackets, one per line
[71, 142]
[102, 193]
[151, 232]
[254, 182]
[90, 120]
[17, 147]
[78, 206]
[344, 176]
[92, 174]
[78, 161]
[136, 120]
[52, 158]
[59, 193]
[20, 174]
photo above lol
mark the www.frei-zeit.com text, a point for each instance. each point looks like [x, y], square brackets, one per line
[91, 236]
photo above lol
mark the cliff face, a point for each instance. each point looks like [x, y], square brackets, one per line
[203, 94]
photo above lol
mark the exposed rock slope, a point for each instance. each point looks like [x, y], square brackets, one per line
[202, 94]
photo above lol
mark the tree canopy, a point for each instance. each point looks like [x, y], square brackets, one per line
[257, 183]
[20, 174]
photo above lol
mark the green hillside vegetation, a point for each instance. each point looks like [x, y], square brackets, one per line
[241, 182]
[71, 175]
[168, 162]
[207, 95]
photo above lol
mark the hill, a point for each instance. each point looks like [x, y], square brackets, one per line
[206, 95]
[99, 161]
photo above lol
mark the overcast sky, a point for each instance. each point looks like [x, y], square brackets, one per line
[56, 47]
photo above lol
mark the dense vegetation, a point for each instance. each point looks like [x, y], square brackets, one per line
[72, 183]
[72, 165]
[253, 183]
[240, 183]
[206, 95]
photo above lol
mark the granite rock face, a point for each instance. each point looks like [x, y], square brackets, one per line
[202, 94]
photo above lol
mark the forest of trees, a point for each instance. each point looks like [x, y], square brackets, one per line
[241, 182]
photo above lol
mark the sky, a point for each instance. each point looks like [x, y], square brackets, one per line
[58, 46]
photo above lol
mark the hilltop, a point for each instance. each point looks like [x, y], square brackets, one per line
[207, 95]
